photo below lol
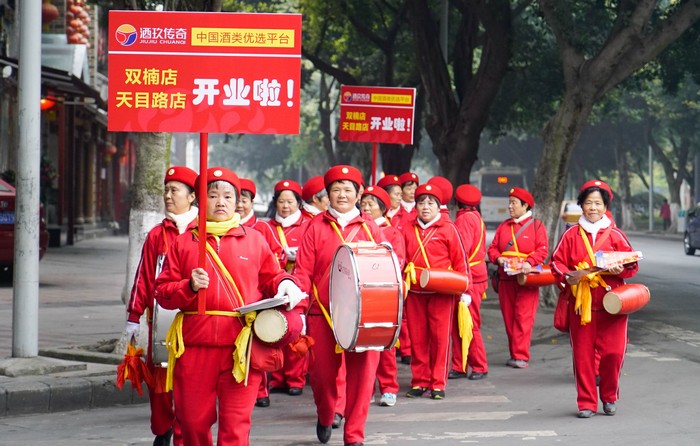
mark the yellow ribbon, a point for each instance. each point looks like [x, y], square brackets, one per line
[582, 291]
[338, 348]
[410, 271]
[175, 346]
[466, 325]
[241, 354]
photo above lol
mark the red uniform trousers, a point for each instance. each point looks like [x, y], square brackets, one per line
[518, 307]
[203, 375]
[606, 334]
[341, 385]
[404, 339]
[476, 358]
[361, 369]
[430, 327]
[387, 372]
[263, 388]
[293, 374]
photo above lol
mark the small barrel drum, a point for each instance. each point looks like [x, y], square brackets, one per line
[541, 278]
[444, 281]
[626, 299]
[366, 297]
[270, 326]
[162, 320]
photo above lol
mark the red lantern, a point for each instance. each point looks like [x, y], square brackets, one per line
[49, 12]
[46, 104]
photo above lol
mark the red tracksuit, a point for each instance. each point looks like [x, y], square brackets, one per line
[431, 314]
[404, 349]
[519, 303]
[606, 335]
[155, 246]
[293, 374]
[314, 260]
[472, 231]
[387, 372]
[203, 373]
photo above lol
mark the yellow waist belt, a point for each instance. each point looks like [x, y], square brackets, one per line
[582, 291]
[241, 352]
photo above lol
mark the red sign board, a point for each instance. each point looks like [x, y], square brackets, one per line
[204, 72]
[377, 114]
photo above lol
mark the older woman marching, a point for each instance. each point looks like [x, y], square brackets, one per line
[592, 330]
[525, 238]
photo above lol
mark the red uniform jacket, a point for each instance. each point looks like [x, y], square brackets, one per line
[571, 250]
[394, 236]
[250, 262]
[533, 242]
[268, 234]
[472, 230]
[292, 234]
[157, 242]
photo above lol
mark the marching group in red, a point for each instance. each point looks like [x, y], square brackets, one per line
[218, 369]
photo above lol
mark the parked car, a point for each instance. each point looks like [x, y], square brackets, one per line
[691, 238]
[7, 228]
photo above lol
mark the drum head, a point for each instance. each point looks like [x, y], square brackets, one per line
[345, 297]
[270, 326]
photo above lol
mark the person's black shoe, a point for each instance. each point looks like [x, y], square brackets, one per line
[163, 440]
[416, 392]
[262, 402]
[609, 408]
[295, 391]
[323, 432]
[475, 376]
[585, 413]
[454, 374]
[406, 360]
[337, 419]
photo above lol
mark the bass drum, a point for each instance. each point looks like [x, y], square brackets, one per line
[366, 297]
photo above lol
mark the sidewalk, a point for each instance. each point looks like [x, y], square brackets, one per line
[80, 304]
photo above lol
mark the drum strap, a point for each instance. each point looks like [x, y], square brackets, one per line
[410, 270]
[582, 291]
[353, 233]
[338, 348]
[471, 260]
[283, 241]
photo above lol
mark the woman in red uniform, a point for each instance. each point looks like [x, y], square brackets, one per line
[472, 230]
[210, 337]
[409, 183]
[431, 242]
[521, 237]
[180, 215]
[315, 197]
[289, 226]
[341, 223]
[592, 330]
[375, 202]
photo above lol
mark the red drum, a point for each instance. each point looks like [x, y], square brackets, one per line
[443, 281]
[542, 278]
[626, 299]
[366, 297]
[162, 320]
[270, 326]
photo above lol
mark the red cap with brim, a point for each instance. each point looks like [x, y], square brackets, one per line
[429, 189]
[468, 194]
[221, 174]
[380, 194]
[598, 184]
[445, 186]
[408, 176]
[312, 187]
[182, 174]
[248, 185]
[522, 195]
[342, 173]
[389, 180]
[288, 185]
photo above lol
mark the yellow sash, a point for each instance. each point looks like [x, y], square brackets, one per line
[582, 291]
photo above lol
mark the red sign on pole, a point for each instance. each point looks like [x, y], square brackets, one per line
[377, 114]
[204, 72]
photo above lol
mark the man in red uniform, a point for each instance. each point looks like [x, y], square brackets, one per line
[341, 223]
[315, 197]
[431, 242]
[209, 337]
[180, 215]
[520, 238]
[472, 231]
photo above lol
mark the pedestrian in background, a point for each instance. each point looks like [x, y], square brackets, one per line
[180, 215]
[593, 331]
[665, 214]
[520, 239]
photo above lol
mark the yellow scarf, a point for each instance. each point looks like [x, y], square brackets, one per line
[220, 228]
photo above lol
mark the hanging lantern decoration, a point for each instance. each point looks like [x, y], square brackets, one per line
[46, 104]
[77, 22]
[49, 12]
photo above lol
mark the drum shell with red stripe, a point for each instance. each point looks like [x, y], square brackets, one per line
[626, 299]
[543, 278]
[443, 281]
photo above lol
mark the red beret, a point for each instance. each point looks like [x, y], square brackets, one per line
[468, 194]
[408, 176]
[429, 189]
[380, 194]
[522, 195]
[445, 186]
[389, 180]
[597, 184]
[248, 185]
[275, 319]
[341, 173]
[288, 185]
[182, 174]
[221, 174]
[313, 186]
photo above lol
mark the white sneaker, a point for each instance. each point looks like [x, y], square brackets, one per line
[388, 399]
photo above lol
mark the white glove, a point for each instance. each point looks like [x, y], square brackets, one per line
[132, 329]
[292, 291]
[466, 298]
[291, 253]
[303, 324]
